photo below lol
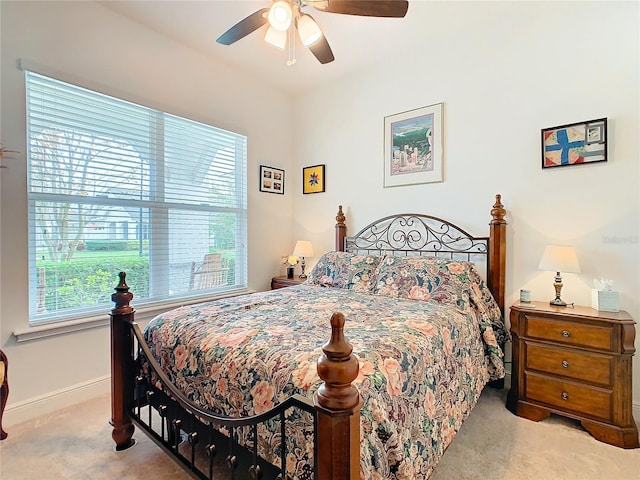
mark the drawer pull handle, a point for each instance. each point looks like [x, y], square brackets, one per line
[565, 364]
[565, 396]
[565, 333]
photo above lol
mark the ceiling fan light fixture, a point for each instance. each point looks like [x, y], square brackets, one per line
[283, 14]
[308, 30]
[277, 38]
[280, 15]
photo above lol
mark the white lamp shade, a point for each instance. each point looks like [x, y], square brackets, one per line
[277, 38]
[303, 248]
[559, 258]
[308, 30]
[280, 15]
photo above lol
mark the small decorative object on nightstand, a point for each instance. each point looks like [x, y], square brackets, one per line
[281, 282]
[289, 261]
[576, 362]
[603, 298]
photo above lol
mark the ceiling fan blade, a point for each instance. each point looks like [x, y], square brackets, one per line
[244, 27]
[322, 51]
[368, 8]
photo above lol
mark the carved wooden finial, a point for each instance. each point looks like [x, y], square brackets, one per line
[122, 297]
[338, 368]
[340, 218]
[337, 348]
[341, 229]
[498, 212]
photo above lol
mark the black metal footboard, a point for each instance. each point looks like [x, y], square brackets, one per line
[207, 445]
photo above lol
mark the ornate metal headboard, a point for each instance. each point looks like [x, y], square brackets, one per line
[416, 234]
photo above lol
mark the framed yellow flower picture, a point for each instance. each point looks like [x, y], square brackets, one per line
[313, 179]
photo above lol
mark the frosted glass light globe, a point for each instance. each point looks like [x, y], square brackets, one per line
[280, 15]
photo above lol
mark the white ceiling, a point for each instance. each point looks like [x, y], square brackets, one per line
[356, 41]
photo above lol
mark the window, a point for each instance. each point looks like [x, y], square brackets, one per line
[115, 186]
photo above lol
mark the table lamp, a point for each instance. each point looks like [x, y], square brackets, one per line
[559, 258]
[303, 249]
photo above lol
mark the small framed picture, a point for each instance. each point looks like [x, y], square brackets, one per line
[575, 144]
[313, 179]
[271, 180]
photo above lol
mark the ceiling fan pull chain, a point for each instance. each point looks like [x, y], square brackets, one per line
[292, 48]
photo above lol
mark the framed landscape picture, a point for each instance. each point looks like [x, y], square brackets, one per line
[574, 144]
[271, 180]
[313, 179]
[413, 149]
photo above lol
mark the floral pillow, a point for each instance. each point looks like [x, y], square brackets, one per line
[436, 279]
[345, 270]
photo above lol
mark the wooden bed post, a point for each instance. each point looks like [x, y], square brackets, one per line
[497, 252]
[122, 364]
[341, 230]
[338, 404]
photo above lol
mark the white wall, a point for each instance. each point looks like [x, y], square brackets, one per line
[88, 44]
[504, 71]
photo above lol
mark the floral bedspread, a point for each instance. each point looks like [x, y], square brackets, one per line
[422, 366]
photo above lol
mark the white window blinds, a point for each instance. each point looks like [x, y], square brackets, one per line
[115, 186]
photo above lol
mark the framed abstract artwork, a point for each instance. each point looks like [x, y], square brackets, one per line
[271, 180]
[574, 144]
[413, 147]
[313, 179]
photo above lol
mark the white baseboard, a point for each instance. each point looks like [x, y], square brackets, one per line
[44, 404]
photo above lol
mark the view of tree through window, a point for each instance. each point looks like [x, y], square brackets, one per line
[115, 186]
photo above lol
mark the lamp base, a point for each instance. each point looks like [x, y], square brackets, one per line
[557, 284]
[558, 302]
[302, 265]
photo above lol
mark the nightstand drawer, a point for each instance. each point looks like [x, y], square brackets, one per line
[591, 367]
[592, 336]
[283, 282]
[582, 399]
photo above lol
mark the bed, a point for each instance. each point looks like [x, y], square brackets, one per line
[366, 370]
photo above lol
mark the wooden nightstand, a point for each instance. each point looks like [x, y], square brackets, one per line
[281, 282]
[576, 362]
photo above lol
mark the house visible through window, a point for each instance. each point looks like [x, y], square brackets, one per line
[115, 186]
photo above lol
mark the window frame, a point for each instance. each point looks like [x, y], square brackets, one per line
[88, 317]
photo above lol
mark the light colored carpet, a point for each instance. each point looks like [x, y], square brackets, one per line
[75, 443]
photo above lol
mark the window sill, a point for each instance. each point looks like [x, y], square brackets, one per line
[143, 314]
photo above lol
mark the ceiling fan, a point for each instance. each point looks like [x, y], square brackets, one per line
[286, 15]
